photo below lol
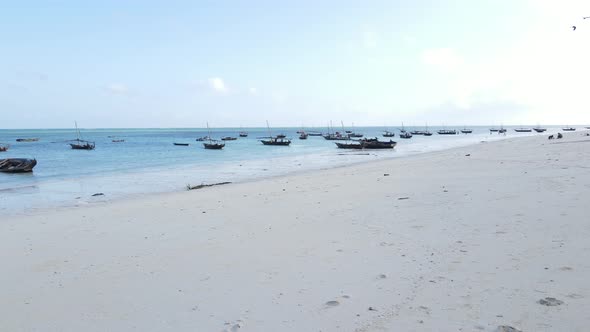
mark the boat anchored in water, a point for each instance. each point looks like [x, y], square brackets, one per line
[80, 143]
[279, 140]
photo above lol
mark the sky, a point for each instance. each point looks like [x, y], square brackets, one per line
[121, 64]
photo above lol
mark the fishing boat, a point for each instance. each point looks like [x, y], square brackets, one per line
[314, 133]
[229, 138]
[212, 144]
[303, 135]
[539, 129]
[388, 133]
[4, 147]
[376, 144]
[279, 140]
[523, 130]
[417, 132]
[243, 134]
[81, 144]
[494, 130]
[203, 139]
[181, 144]
[502, 130]
[405, 135]
[35, 139]
[427, 133]
[465, 130]
[350, 145]
[17, 165]
[447, 132]
[337, 136]
[118, 141]
[569, 129]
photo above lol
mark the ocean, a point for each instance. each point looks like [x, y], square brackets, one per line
[147, 162]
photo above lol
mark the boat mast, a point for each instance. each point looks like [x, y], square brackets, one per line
[268, 127]
[77, 131]
[209, 131]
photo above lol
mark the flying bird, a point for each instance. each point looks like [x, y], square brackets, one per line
[573, 28]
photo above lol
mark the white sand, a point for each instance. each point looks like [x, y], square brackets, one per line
[478, 242]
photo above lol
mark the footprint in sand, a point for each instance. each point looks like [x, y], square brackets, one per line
[550, 302]
[332, 303]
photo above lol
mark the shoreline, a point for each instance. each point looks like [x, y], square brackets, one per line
[103, 200]
[468, 238]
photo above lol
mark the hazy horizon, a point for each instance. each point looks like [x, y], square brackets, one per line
[145, 64]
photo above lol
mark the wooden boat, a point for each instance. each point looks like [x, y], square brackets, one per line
[281, 136]
[405, 135]
[447, 132]
[502, 130]
[278, 140]
[229, 138]
[540, 130]
[355, 135]
[202, 139]
[212, 144]
[494, 130]
[118, 140]
[181, 144]
[4, 147]
[349, 145]
[375, 144]
[35, 139]
[17, 165]
[569, 129]
[243, 134]
[314, 133]
[417, 132]
[388, 134]
[523, 130]
[81, 144]
[427, 133]
[337, 136]
[466, 131]
[303, 135]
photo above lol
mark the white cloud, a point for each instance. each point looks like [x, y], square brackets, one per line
[253, 91]
[117, 88]
[217, 84]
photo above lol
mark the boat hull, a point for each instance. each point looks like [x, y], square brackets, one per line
[17, 165]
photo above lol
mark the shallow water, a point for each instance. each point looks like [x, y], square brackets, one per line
[148, 162]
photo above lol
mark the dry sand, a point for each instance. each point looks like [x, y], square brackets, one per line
[444, 242]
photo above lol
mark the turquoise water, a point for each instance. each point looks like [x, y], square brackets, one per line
[148, 162]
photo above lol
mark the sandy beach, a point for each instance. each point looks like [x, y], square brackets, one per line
[467, 239]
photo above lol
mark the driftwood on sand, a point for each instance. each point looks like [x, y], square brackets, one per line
[202, 185]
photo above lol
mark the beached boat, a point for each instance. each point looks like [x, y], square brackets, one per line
[81, 144]
[405, 135]
[376, 144]
[447, 132]
[181, 144]
[569, 129]
[388, 134]
[228, 138]
[17, 165]
[34, 139]
[351, 145]
[4, 147]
